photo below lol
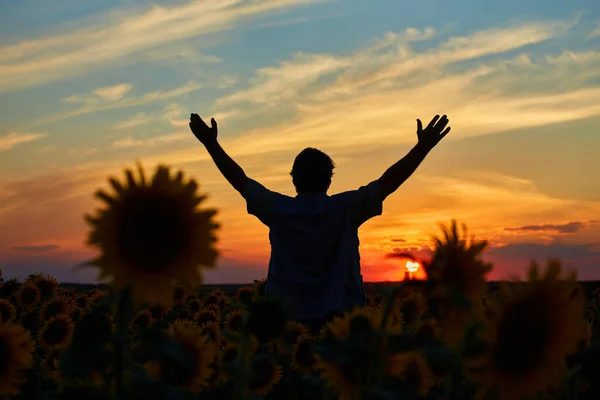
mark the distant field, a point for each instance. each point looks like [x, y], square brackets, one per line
[370, 287]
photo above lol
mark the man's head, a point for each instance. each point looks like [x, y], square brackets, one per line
[312, 171]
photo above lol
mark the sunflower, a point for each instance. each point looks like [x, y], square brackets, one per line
[244, 294]
[412, 307]
[356, 329]
[215, 308]
[203, 351]
[158, 312]
[206, 315]
[28, 295]
[293, 332]
[524, 345]
[194, 306]
[212, 331]
[263, 375]
[7, 311]
[456, 270]
[259, 288]
[213, 299]
[46, 283]
[218, 293]
[234, 322]
[303, 357]
[16, 356]
[141, 321]
[97, 296]
[178, 295]
[56, 305]
[429, 329]
[375, 300]
[412, 368]
[57, 331]
[8, 288]
[152, 235]
[76, 314]
[30, 320]
[50, 363]
[231, 351]
[82, 300]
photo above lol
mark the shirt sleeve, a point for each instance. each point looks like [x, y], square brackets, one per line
[365, 203]
[260, 201]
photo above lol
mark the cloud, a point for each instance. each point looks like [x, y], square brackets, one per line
[137, 119]
[329, 100]
[174, 113]
[92, 102]
[514, 259]
[13, 139]
[595, 32]
[113, 93]
[570, 227]
[153, 141]
[121, 36]
[37, 249]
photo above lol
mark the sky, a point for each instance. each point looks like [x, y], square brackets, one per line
[89, 88]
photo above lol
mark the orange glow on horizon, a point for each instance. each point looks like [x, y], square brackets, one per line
[414, 271]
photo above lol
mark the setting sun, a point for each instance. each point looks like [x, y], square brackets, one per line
[412, 266]
[414, 270]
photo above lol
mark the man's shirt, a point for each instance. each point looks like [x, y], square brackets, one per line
[315, 261]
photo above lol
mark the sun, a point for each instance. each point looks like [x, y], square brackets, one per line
[412, 266]
[413, 270]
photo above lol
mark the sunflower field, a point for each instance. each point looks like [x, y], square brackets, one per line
[154, 332]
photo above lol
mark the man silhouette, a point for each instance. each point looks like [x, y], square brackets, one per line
[315, 261]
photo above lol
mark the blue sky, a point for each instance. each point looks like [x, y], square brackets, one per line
[87, 88]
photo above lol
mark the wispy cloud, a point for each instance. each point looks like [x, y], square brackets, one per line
[595, 32]
[13, 139]
[570, 227]
[153, 141]
[136, 119]
[121, 36]
[172, 113]
[333, 98]
[92, 103]
[37, 249]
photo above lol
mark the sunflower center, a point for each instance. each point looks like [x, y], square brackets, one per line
[4, 357]
[304, 355]
[56, 332]
[236, 323]
[54, 308]
[151, 231]
[290, 336]
[5, 313]
[263, 374]
[523, 335]
[28, 296]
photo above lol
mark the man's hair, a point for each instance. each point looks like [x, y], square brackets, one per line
[312, 171]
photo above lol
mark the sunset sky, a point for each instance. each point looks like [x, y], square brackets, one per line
[87, 88]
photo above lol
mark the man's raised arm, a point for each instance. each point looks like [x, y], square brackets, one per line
[404, 168]
[234, 174]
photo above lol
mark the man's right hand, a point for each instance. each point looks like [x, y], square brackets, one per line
[204, 133]
[434, 132]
